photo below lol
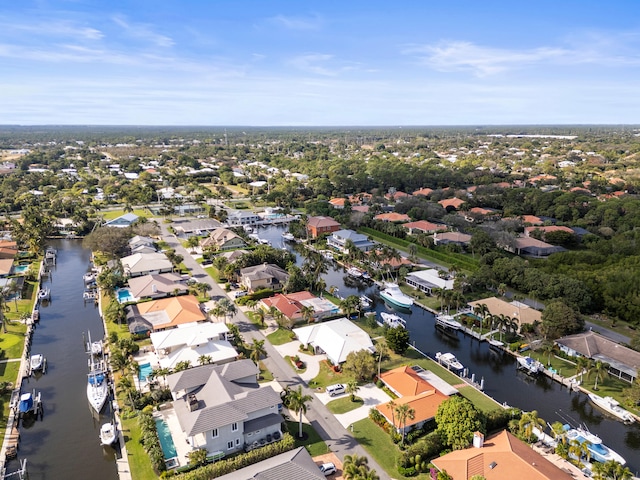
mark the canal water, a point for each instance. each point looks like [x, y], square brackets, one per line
[502, 380]
[65, 443]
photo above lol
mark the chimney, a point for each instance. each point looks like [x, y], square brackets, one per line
[478, 440]
[154, 288]
[193, 402]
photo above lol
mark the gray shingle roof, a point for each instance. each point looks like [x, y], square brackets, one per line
[292, 465]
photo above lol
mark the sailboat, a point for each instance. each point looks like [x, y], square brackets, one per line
[97, 388]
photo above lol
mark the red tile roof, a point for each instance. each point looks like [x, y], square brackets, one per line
[393, 217]
[452, 202]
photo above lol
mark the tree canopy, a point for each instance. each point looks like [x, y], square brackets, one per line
[457, 419]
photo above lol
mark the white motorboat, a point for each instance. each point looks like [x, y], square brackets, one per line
[448, 321]
[391, 320]
[287, 236]
[44, 294]
[598, 450]
[108, 434]
[89, 277]
[450, 361]
[611, 405]
[328, 255]
[529, 365]
[354, 272]
[36, 362]
[365, 302]
[393, 295]
[96, 347]
[97, 388]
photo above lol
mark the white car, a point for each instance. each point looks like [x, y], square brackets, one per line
[327, 468]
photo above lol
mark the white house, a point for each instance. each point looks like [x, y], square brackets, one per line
[427, 280]
[145, 263]
[336, 338]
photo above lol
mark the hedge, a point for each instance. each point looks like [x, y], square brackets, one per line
[223, 467]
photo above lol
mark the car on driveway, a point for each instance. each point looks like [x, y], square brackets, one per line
[327, 468]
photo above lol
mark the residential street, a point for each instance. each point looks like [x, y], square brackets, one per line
[328, 427]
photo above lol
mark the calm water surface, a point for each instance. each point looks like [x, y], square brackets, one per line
[66, 444]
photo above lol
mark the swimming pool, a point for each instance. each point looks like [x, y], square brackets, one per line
[124, 295]
[145, 371]
[20, 268]
[166, 442]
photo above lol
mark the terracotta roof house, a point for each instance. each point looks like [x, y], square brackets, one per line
[532, 219]
[317, 226]
[542, 178]
[265, 275]
[164, 313]
[623, 362]
[457, 238]
[425, 192]
[221, 409]
[532, 247]
[190, 342]
[338, 202]
[396, 196]
[335, 338]
[157, 285]
[123, 221]
[485, 212]
[586, 191]
[145, 263]
[414, 391]
[393, 217]
[360, 208]
[422, 226]
[6, 266]
[450, 204]
[339, 239]
[291, 305]
[499, 457]
[522, 312]
[223, 239]
[546, 229]
[294, 464]
[8, 249]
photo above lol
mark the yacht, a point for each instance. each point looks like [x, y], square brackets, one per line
[392, 320]
[448, 321]
[597, 450]
[610, 405]
[354, 272]
[450, 361]
[393, 295]
[365, 302]
[287, 236]
[97, 388]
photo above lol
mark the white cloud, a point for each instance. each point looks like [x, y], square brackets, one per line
[143, 32]
[52, 28]
[315, 63]
[297, 23]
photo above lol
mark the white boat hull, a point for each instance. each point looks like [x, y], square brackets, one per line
[450, 361]
[393, 295]
[598, 450]
[612, 407]
[97, 395]
[530, 365]
[392, 320]
[108, 434]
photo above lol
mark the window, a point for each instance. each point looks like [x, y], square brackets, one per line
[234, 427]
[237, 442]
[214, 433]
[230, 445]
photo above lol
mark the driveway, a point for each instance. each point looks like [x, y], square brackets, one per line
[311, 361]
[371, 395]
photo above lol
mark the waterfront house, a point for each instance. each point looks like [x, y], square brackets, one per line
[428, 280]
[157, 285]
[291, 305]
[498, 457]
[335, 338]
[240, 218]
[222, 409]
[414, 391]
[164, 313]
[317, 226]
[123, 221]
[261, 276]
[294, 464]
[192, 342]
[223, 239]
[339, 239]
[623, 362]
[140, 264]
[200, 226]
[519, 311]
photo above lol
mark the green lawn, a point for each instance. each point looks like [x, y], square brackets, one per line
[326, 376]
[479, 399]
[12, 342]
[562, 366]
[344, 405]
[8, 373]
[111, 214]
[265, 375]
[139, 462]
[379, 445]
[280, 337]
[311, 440]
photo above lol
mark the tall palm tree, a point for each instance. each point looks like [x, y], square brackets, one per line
[349, 304]
[599, 369]
[260, 314]
[205, 359]
[615, 471]
[392, 406]
[579, 449]
[529, 421]
[549, 349]
[298, 402]
[307, 313]
[257, 350]
[404, 412]
[356, 467]
[581, 365]
[352, 389]
[383, 351]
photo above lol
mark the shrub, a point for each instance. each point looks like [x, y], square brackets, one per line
[150, 441]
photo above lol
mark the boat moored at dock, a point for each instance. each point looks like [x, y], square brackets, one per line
[108, 434]
[448, 321]
[611, 406]
[598, 451]
[450, 361]
[393, 295]
[392, 321]
[529, 365]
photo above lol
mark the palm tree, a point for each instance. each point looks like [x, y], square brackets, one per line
[615, 471]
[260, 314]
[205, 359]
[392, 406]
[404, 412]
[298, 403]
[257, 350]
[356, 467]
[383, 351]
[579, 449]
[529, 421]
[349, 304]
[307, 313]
[599, 369]
[352, 389]
[582, 363]
[549, 349]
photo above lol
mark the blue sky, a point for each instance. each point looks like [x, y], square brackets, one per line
[295, 62]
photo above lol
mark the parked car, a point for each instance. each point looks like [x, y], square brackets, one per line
[336, 389]
[328, 468]
[239, 293]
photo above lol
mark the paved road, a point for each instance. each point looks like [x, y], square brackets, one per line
[339, 439]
